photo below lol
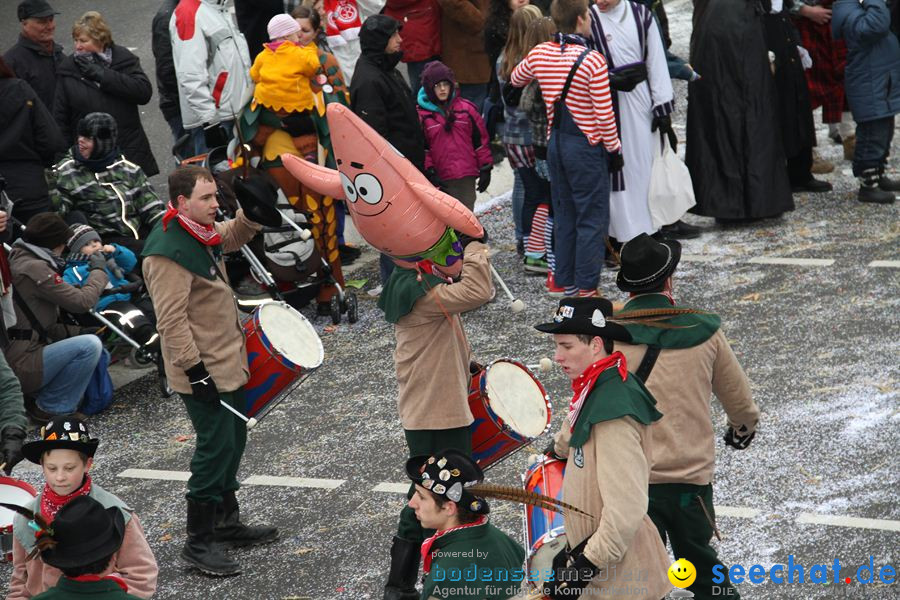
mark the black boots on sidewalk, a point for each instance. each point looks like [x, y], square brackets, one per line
[401, 582]
[874, 187]
[229, 529]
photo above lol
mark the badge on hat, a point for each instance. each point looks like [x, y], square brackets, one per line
[597, 318]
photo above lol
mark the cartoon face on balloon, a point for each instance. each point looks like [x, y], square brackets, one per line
[393, 206]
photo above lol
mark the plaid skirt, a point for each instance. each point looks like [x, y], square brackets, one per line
[826, 77]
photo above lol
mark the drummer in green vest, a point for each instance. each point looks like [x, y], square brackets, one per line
[683, 363]
[467, 558]
[205, 356]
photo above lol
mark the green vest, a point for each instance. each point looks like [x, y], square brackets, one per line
[69, 589]
[402, 290]
[475, 563]
[689, 330]
[611, 398]
[178, 245]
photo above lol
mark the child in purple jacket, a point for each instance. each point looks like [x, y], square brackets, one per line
[456, 141]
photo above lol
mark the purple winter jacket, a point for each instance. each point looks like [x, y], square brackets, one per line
[461, 152]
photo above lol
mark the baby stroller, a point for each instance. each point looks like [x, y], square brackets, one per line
[282, 264]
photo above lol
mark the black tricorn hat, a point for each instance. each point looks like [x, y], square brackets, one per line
[84, 533]
[646, 263]
[586, 316]
[62, 432]
[448, 473]
[258, 197]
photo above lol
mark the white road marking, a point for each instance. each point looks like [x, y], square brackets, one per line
[391, 488]
[802, 262]
[155, 474]
[739, 512]
[891, 264]
[304, 482]
[700, 258]
[855, 522]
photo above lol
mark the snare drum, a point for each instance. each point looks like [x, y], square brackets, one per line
[12, 491]
[544, 533]
[510, 407]
[281, 346]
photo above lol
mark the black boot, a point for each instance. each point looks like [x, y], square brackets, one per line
[869, 190]
[200, 550]
[230, 530]
[886, 184]
[401, 583]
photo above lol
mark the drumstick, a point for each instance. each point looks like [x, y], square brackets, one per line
[3, 466]
[544, 365]
[516, 304]
[251, 422]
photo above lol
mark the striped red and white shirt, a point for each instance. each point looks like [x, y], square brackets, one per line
[589, 100]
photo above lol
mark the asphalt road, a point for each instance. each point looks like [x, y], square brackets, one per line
[818, 338]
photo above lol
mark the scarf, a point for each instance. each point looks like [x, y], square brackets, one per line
[342, 21]
[51, 502]
[95, 165]
[426, 545]
[118, 581]
[569, 38]
[584, 383]
[205, 234]
[104, 58]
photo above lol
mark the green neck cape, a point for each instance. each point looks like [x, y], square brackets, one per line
[402, 290]
[690, 329]
[178, 245]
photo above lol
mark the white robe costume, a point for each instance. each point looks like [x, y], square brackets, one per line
[617, 36]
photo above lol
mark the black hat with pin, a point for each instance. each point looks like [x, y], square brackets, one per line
[586, 316]
[258, 197]
[448, 474]
[62, 432]
[84, 532]
[646, 263]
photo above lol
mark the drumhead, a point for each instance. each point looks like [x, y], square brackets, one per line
[540, 558]
[516, 397]
[291, 335]
[13, 491]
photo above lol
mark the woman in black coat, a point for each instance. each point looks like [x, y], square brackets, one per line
[103, 76]
[29, 142]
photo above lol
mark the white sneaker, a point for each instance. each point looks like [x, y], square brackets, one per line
[375, 292]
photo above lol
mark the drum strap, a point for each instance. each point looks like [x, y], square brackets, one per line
[643, 370]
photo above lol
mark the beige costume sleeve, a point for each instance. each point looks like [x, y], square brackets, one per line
[135, 562]
[237, 232]
[561, 439]
[622, 477]
[732, 388]
[473, 289]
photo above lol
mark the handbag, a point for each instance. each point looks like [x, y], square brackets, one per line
[627, 77]
[99, 393]
[671, 190]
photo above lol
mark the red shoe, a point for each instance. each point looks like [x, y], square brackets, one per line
[588, 293]
[552, 288]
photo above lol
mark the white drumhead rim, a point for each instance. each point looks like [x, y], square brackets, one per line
[516, 397]
[542, 558]
[12, 494]
[291, 334]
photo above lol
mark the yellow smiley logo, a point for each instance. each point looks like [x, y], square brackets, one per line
[682, 573]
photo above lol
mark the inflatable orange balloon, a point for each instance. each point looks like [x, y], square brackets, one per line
[393, 206]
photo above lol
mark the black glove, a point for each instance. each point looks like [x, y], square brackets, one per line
[89, 69]
[550, 451]
[740, 439]
[626, 78]
[465, 240]
[664, 124]
[11, 447]
[431, 174]
[97, 261]
[203, 388]
[484, 179]
[616, 161]
[568, 582]
[215, 136]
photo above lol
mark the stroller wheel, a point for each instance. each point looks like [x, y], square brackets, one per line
[141, 357]
[164, 389]
[335, 306]
[352, 308]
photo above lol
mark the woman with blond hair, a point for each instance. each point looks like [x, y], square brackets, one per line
[103, 75]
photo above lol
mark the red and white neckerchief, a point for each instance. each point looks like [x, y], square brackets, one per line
[584, 383]
[426, 545]
[51, 502]
[342, 21]
[117, 580]
[205, 234]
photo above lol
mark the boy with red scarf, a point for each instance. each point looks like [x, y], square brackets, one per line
[66, 454]
[603, 438]
[205, 356]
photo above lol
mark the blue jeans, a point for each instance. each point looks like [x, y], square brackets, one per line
[474, 93]
[537, 191]
[68, 366]
[580, 192]
[518, 201]
[873, 144]
[198, 137]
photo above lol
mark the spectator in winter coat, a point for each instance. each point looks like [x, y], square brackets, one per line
[166, 80]
[421, 34]
[462, 42]
[36, 56]
[29, 141]
[104, 74]
[455, 136]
